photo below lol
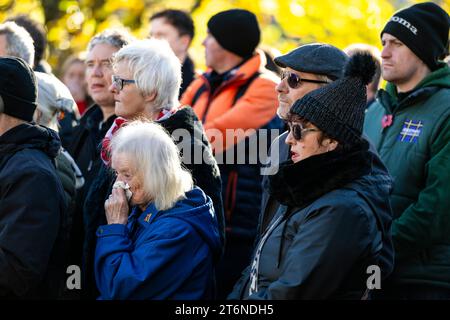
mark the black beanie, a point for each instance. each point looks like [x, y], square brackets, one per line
[236, 30]
[338, 108]
[423, 28]
[18, 88]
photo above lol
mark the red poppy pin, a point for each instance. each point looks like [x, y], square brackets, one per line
[386, 121]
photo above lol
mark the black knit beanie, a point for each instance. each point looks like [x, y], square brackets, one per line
[236, 30]
[338, 108]
[423, 28]
[18, 88]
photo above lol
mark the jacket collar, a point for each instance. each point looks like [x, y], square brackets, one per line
[432, 83]
[391, 103]
[244, 71]
[29, 136]
[299, 184]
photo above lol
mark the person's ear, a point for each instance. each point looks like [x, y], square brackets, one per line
[331, 145]
[185, 41]
[150, 97]
[37, 116]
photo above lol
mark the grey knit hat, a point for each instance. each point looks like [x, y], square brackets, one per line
[338, 108]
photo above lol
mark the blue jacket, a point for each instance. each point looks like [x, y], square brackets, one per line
[160, 254]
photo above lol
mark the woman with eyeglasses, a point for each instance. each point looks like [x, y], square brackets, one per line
[327, 232]
[145, 83]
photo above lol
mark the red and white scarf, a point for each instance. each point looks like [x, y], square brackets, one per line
[105, 153]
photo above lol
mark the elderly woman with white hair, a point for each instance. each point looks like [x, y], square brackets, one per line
[55, 98]
[145, 83]
[166, 247]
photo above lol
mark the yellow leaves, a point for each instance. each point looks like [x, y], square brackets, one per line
[131, 5]
[297, 9]
[30, 7]
[269, 5]
[285, 24]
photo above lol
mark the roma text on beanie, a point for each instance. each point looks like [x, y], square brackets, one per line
[423, 28]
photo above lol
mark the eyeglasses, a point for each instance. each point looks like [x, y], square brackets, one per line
[297, 130]
[294, 81]
[119, 82]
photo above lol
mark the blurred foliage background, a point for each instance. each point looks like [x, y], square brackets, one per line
[285, 24]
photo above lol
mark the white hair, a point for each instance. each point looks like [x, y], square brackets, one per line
[155, 159]
[19, 42]
[155, 68]
[53, 97]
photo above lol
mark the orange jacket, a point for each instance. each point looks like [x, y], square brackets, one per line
[252, 111]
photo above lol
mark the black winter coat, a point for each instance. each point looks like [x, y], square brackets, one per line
[85, 150]
[33, 225]
[332, 223]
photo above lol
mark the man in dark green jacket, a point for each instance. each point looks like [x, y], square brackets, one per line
[410, 126]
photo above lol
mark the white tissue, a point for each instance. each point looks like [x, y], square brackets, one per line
[125, 187]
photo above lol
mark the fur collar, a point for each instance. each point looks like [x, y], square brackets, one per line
[299, 184]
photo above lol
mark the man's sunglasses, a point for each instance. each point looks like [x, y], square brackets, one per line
[119, 82]
[298, 131]
[294, 81]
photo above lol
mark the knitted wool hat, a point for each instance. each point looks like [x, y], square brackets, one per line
[236, 30]
[423, 28]
[338, 108]
[18, 89]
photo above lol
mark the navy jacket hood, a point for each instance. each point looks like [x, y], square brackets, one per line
[30, 136]
[197, 210]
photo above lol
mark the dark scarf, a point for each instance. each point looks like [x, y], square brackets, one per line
[216, 79]
[297, 185]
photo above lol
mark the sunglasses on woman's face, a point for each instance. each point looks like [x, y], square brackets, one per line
[298, 131]
[294, 81]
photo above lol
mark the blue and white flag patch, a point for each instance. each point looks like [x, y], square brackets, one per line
[411, 131]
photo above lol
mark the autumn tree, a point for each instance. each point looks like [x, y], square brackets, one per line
[284, 23]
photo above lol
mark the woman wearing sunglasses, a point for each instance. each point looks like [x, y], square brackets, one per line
[327, 230]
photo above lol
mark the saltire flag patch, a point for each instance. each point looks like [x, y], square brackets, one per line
[411, 131]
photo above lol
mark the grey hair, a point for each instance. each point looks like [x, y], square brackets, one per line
[53, 97]
[155, 68]
[19, 42]
[115, 37]
[155, 159]
[323, 77]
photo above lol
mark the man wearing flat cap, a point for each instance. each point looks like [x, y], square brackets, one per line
[32, 201]
[305, 69]
[410, 126]
[237, 94]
